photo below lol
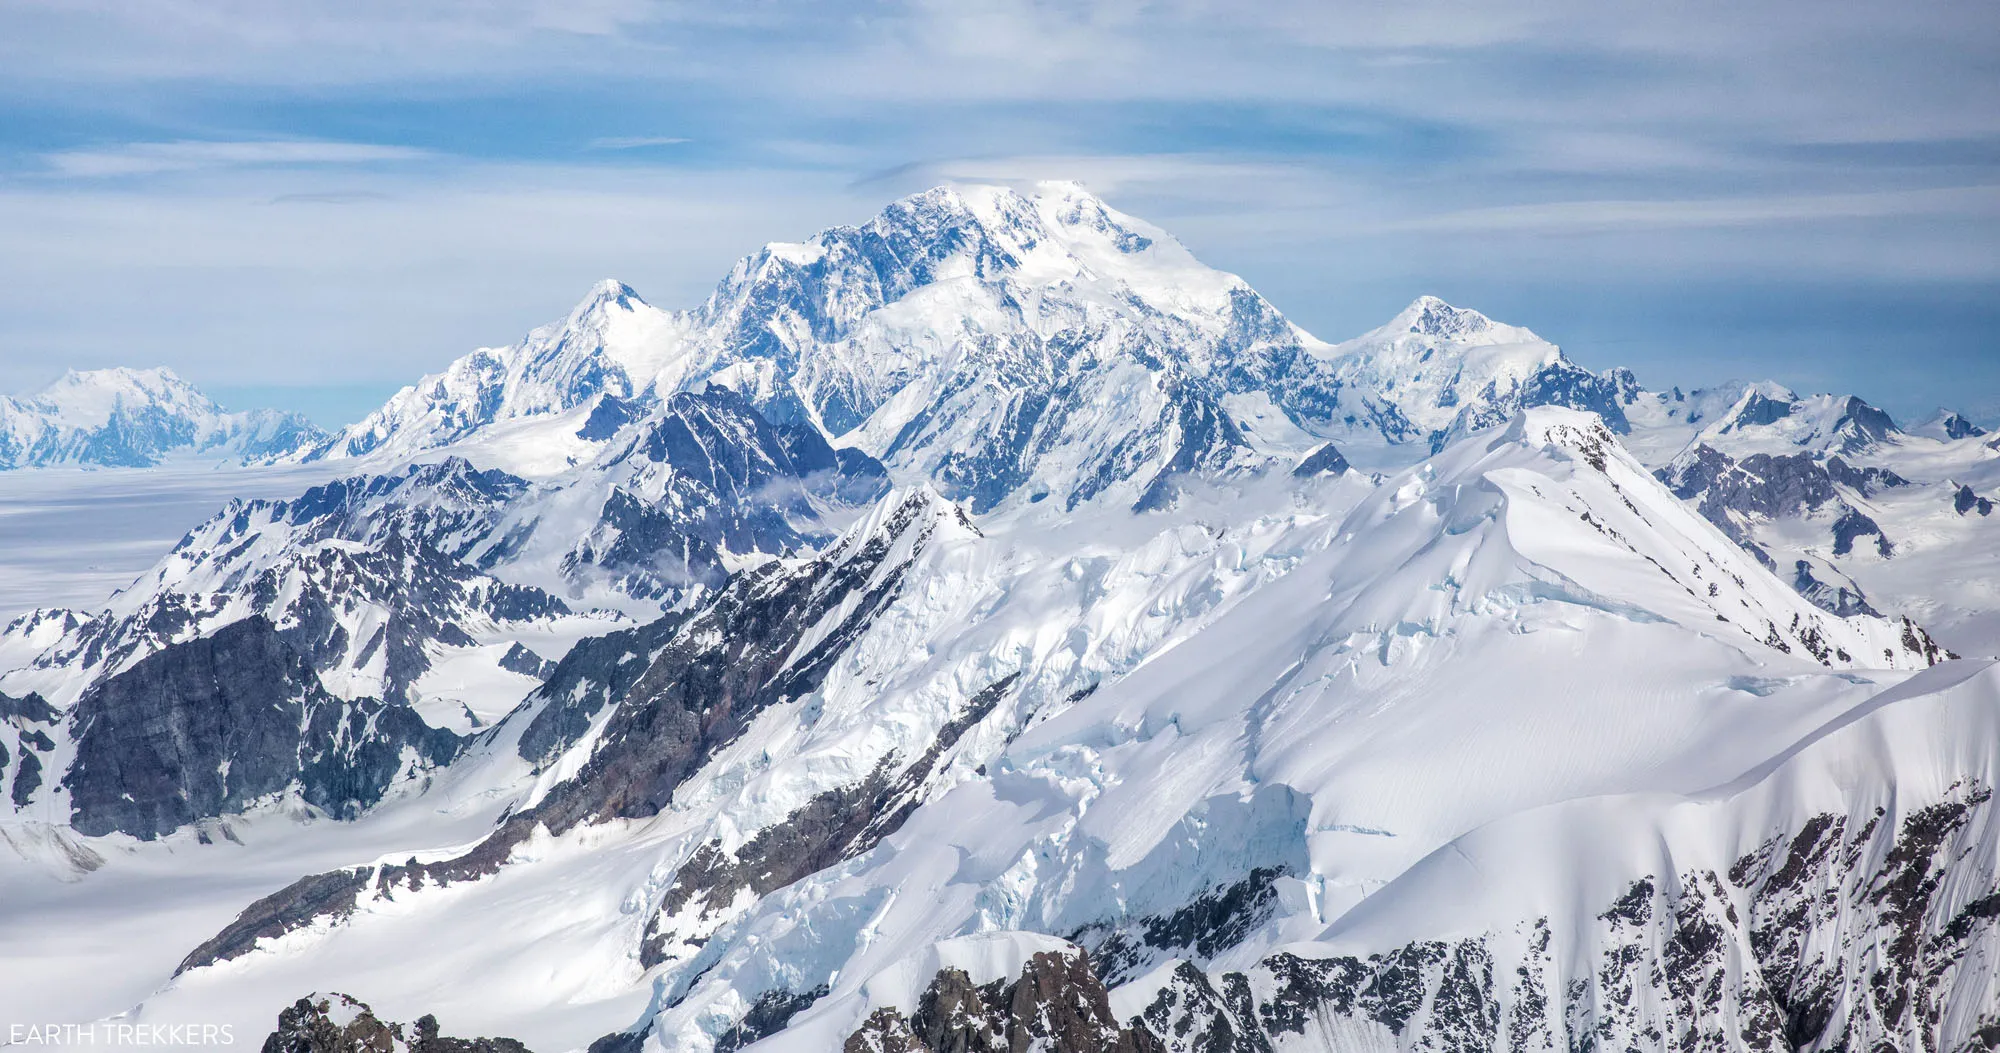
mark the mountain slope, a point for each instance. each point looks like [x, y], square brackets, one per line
[208, 727]
[1832, 494]
[132, 418]
[1136, 716]
[376, 575]
[1007, 348]
[1173, 740]
[605, 347]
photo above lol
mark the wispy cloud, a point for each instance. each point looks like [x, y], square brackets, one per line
[1591, 216]
[636, 142]
[130, 159]
[330, 197]
[1342, 155]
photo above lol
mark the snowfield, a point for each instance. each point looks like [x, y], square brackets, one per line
[989, 626]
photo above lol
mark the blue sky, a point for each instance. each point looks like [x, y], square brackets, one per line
[310, 204]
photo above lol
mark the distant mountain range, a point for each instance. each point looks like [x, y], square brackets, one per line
[988, 628]
[135, 418]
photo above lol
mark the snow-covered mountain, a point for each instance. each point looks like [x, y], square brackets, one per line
[1184, 744]
[131, 418]
[988, 628]
[1006, 347]
[1829, 492]
[1011, 347]
[451, 589]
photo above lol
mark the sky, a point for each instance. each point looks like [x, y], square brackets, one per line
[310, 204]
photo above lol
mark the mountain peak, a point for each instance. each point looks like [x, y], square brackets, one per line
[1430, 316]
[610, 292]
[90, 397]
[154, 379]
[1951, 425]
[125, 417]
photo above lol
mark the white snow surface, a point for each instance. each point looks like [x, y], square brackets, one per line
[134, 418]
[1009, 346]
[1497, 674]
[1342, 677]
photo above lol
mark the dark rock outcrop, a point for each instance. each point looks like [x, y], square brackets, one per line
[833, 827]
[32, 718]
[204, 728]
[1326, 460]
[338, 1023]
[1853, 525]
[1844, 600]
[1867, 481]
[768, 1015]
[1957, 427]
[714, 671]
[27, 776]
[1964, 501]
[28, 709]
[1736, 495]
[610, 414]
[1058, 1005]
[1207, 925]
[1563, 383]
[1841, 934]
[519, 659]
[595, 673]
[294, 906]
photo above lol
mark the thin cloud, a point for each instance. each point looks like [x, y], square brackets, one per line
[330, 197]
[1587, 216]
[188, 155]
[636, 142]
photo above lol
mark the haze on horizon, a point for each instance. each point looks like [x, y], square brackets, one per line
[308, 205]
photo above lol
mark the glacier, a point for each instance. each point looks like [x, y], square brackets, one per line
[989, 628]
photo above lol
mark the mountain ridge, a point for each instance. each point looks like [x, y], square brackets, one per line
[134, 418]
[1030, 637]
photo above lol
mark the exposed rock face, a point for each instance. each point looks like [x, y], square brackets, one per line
[1964, 501]
[28, 773]
[1057, 1005]
[595, 673]
[519, 659]
[31, 719]
[834, 826]
[1957, 427]
[1864, 426]
[1843, 599]
[205, 728]
[28, 709]
[767, 1016]
[1323, 461]
[1207, 925]
[710, 673]
[706, 474]
[1734, 495]
[338, 1023]
[1563, 383]
[1853, 525]
[329, 895]
[734, 658]
[363, 576]
[1843, 934]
